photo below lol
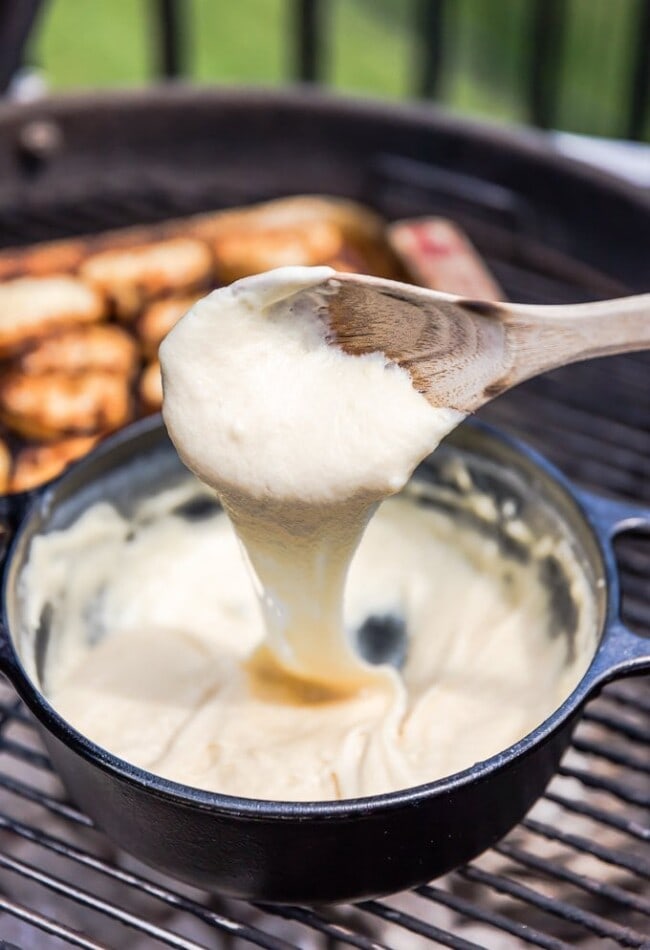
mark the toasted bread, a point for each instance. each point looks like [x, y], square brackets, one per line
[55, 405]
[240, 253]
[32, 307]
[43, 260]
[104, 346]
[131, 277]
[359, 231]
[150, 388]
[157, 320]
[362, 230]
[36, 464]
[5, 467]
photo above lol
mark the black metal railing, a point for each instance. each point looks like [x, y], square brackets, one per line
[544, 58]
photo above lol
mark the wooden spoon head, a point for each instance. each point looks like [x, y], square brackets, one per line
[454, 349]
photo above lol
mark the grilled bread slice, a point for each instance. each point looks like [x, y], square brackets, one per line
[55, 405]
[150, 388]
[5, 467]
[96, 346]
[36, 464]
[33, 307]
[130, 277]
[43, 260]
[157, 320]
[245, 251]
[305, 229]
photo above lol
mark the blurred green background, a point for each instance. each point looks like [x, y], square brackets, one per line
[372, 48]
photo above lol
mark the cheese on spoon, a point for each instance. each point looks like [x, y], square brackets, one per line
[301, 442]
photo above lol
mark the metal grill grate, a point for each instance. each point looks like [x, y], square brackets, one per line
[575, 873]
[577, 868]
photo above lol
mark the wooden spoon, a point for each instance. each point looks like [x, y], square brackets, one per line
[461, 353]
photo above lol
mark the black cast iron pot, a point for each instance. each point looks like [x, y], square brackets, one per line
[323, 851]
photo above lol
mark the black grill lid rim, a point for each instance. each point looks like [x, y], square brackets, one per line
[525, 141]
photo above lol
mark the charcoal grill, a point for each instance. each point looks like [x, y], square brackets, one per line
[575, 872]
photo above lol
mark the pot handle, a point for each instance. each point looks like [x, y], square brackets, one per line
[622, 652]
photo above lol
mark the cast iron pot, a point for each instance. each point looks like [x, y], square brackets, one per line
[323, 851]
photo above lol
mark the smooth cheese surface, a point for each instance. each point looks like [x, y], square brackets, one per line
[149, 646]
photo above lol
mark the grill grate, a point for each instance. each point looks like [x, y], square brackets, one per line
[574, 873]
[576, 868]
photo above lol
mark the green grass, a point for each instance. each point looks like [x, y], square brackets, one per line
[372, 50]
[92, 44]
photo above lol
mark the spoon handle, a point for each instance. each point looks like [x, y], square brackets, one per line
[460, 353]
[543, 338]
